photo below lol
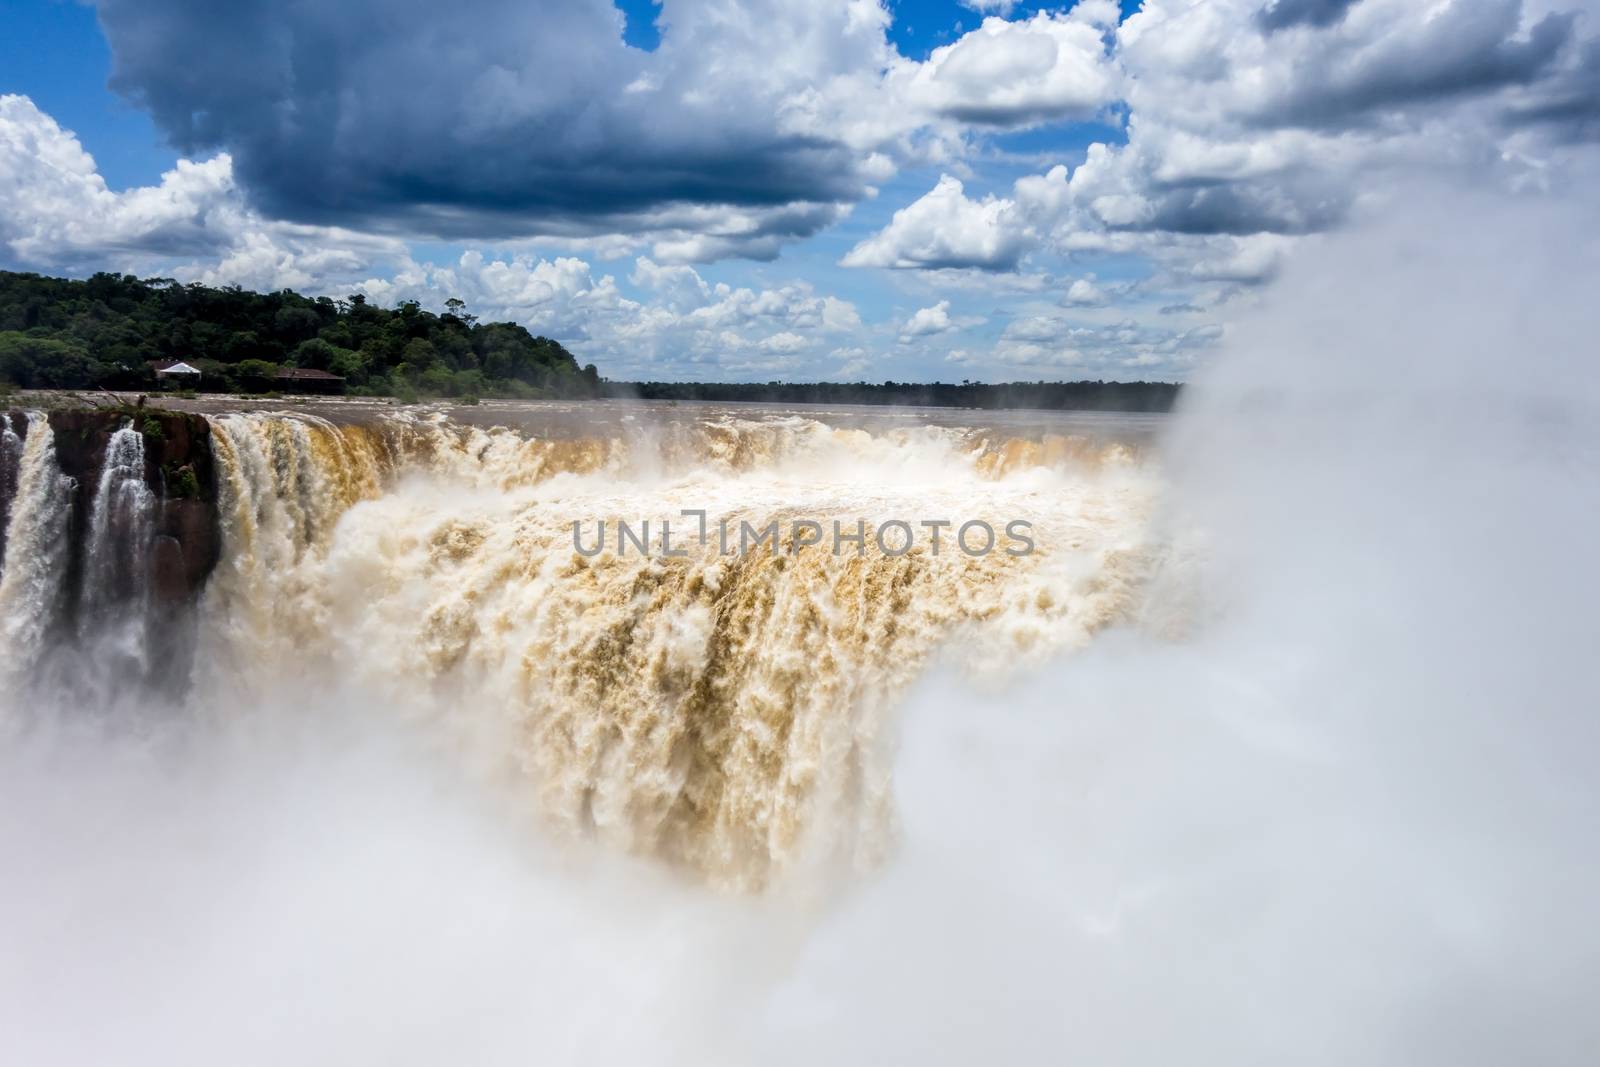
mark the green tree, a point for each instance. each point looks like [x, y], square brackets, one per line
[348, 365]
[419, 355]
[255, 374]
[315, 353]
[46, 363]
[107, 328]
[291, 325]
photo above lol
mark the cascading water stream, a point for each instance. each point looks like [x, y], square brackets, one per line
[10, 468]
[114, 614]
[34, 570]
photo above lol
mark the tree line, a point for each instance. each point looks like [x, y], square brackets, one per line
[107, 330]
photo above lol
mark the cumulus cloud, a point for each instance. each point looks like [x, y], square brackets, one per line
[56, 203]
[684, 326]
[855, 362]
[931, 321]
[786, 343]
[538, 121]
[946, 229]
[1214, 64]
[680, 286]
[1250, 260]
[508, 118]
[1249, 125]
[1244, 117]
[1046, 344]
[1047, 68]
[1281, 14]
[1084, 293]
[991, 7]
[1103, 13]
[1453, 50]
[1566, 105]
[57, 213]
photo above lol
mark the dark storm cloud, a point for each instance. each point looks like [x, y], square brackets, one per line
[1568, 106]
[482, 119]
[1281, 14]
[1243, 208]
[1469, 50]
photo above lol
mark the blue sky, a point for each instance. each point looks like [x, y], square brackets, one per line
[53, 51]
[769, 189]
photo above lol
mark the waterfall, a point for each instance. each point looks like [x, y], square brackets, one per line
[282, 485]
[10, 468]
[34, 570]
[115, 605]
[729, 714]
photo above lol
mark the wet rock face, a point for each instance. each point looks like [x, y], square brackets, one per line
[133, 538]
[12, 430]
[140, 538]
[179, 471]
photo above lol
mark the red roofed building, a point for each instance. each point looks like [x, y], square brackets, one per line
[308, 380]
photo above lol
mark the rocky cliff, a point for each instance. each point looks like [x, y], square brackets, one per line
[179, 471]
[134, 537]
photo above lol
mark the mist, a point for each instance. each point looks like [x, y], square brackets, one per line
[1348, 816]
[1328, 800]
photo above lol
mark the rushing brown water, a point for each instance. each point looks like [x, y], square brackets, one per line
[721, 707]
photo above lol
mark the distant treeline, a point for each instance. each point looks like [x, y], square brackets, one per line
[111, 330]
[1060, 396]
[106, 331]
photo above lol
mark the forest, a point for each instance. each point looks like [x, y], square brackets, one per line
[108, 331]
